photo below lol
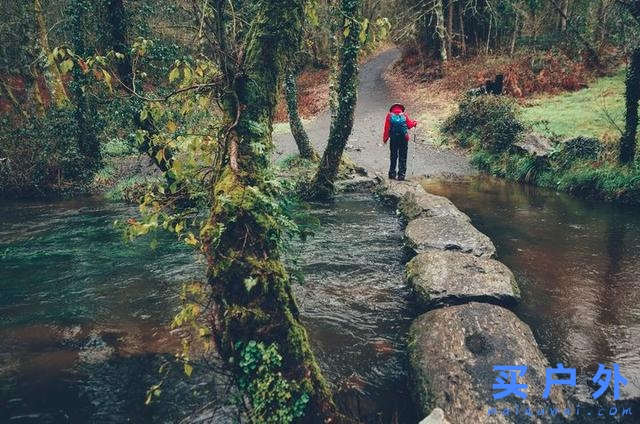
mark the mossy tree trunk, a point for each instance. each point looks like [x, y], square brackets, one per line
[632, 96]
[334, 50]
[297, 129]
[52, 74]
[117, 19]
[342, 123]
[86, 113]
[243, 239]
[441, 31]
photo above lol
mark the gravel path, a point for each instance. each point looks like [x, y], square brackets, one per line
[364, 146]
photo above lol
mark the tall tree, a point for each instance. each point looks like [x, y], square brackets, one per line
[632, 94]
[117, 20]
[297, 129]
[52, 73]
[440, 29]
[242, 240]
[342, 122]
[450, 28]
[86, 113]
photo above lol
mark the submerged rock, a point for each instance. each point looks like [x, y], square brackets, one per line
[452, 352]
[95, 350]
[442, 278]
[447, 233]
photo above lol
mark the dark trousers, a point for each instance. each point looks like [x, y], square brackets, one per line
[398, 146]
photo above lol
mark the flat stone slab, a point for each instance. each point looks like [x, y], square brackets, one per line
[414, 201]
[443, 278]
[393, 190]
[447, 233]
[419, 203]
[452, 352]
[356, 183]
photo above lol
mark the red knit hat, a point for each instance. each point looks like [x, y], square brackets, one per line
[397, 104]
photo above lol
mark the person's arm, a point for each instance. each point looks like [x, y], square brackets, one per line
[387, 125]
[410, 123]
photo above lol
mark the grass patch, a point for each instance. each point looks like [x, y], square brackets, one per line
[581, 113]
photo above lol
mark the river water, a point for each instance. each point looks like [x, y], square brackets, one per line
[83, 315]
[578, 267]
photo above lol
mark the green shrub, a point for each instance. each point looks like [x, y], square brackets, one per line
[117, 147]
[528, 168]
[130, 189]
[490, 122]
[483, 160]
[577, 149]
[40, 155]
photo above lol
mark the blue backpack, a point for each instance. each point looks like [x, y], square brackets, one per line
[398, 125]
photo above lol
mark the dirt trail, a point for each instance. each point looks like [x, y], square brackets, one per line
[364, 145]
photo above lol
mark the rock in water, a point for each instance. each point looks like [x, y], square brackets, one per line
[442, 278]
[392, 190]
[419, 203]
[447, 233]
[452, 352]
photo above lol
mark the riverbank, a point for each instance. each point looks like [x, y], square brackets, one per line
[563, 143]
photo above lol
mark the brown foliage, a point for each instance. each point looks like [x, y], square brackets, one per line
[313, 95]
[525, 74]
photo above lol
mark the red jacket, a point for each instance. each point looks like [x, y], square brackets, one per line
[387, 123]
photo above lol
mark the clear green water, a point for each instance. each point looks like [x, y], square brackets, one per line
[83, 315]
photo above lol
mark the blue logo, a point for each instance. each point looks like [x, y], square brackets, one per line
[507, 381]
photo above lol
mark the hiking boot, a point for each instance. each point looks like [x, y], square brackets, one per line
[392, 176]
[400, 177]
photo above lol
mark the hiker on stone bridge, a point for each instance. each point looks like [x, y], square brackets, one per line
[396, 127]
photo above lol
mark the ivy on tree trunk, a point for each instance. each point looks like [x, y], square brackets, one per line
[243, 238]
[52, 74]
[116, 16]
[342, 123]
[86, 113]
[297, 129]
